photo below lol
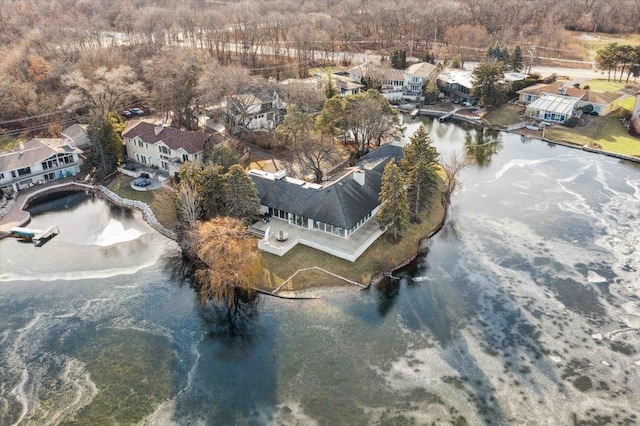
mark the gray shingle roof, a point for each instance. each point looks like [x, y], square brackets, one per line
[77, 134]
[343, 203]
[35, 151]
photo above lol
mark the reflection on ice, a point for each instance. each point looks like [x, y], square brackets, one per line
[115, 233]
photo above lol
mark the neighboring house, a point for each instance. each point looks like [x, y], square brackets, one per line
[417, 76]
[77, 136]
[408, 83]
[38, 161]
[165, 147]
[346, 87]
[457, 85]
[541, 95]
[531, 93]
[603, 103]
[554, 108]
[339, 208]
[256, 111]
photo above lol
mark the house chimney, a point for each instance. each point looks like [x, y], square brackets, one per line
[158, 129]
[562, 91]
[358, 176]
[21, 146]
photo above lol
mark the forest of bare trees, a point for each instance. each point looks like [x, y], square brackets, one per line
[169, 43]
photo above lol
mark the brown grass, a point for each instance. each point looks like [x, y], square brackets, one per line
[604, 132]
[505, 116]
[161, 201]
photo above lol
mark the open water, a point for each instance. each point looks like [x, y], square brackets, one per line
[525, 310]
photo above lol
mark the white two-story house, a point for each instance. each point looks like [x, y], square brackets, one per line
[37, 161]
[165, 147]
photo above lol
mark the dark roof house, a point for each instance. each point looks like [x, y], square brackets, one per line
[336, 217]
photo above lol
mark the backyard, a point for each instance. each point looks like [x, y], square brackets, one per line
[161, 201]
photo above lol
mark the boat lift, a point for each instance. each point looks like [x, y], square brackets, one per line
[37, 236]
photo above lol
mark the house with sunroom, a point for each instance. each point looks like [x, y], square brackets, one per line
[336, 217]
[37, 161]
[165, 147]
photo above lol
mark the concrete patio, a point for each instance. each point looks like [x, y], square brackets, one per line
[348, 249]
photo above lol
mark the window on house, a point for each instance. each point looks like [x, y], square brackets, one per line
[1, 175]
[185, 157]
[164, 149]
[24, 171]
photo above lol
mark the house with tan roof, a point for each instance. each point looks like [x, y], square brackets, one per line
[165, 147]
[407, 83]
[603, 103]
[37, 161]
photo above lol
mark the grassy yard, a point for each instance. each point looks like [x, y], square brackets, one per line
[602, 85]
[505, 116]
[9, 143]
[382, 256]
[161, 201]
[607, 132]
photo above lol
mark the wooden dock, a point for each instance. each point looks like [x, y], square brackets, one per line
[37, 236]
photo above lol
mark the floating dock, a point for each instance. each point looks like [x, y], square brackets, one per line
[38, 236]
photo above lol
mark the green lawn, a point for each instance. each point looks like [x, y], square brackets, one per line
[9, 143]
[607, 132]
[382, 256]
[600, 85]
[505, 116]
[161, 201]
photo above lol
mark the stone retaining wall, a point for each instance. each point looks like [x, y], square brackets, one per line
[147, 213]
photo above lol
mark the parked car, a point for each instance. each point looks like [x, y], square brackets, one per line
[136, 111]
[126, 114]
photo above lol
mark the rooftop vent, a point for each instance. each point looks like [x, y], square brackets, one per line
[280, 174]
[562, 91]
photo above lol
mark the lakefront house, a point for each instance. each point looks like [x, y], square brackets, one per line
[336, 217]
[165, 147]
[37, 161]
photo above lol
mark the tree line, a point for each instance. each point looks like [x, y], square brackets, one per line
[41, 42]
[623, 57]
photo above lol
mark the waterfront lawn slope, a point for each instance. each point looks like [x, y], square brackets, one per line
[606, 133]
[381, 257]
[161, 201]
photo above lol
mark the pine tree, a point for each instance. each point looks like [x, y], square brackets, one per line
[240, 194]
[394, 210]
[517, 60]
[399, 59]
[486, 82]
[330, 87]
[420, 168]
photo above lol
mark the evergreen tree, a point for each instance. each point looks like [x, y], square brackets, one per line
[106, 137]
[517, 60]
[330, 87]
[399, 59]
[222, 155]
[331, 121]
[486, 83]
[240, 194]
[431, 91]
[420, 167]
[394, 210]
[211, 191]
